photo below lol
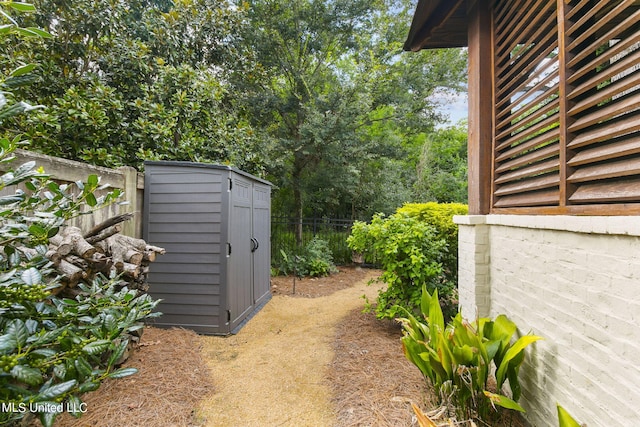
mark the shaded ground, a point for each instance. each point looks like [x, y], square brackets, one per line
[307, 359]
[172, 377]
[275, 371]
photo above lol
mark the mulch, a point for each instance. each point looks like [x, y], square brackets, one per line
[172, 378]
[372, 382]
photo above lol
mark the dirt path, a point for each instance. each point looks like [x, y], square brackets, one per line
[288, 346]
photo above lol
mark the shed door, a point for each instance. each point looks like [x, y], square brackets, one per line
[262, 238]
[239, 282]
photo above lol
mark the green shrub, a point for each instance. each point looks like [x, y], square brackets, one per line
[457, 359]
[415, 246]
[315, 260]
[52, 350]
[440, 215]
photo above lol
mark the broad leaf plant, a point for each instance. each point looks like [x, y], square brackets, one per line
[52, 349]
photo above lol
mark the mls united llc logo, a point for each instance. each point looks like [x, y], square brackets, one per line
[39, 407]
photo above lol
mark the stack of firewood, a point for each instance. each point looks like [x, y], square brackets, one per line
[79, 256]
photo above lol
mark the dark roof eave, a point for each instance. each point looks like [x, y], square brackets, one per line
[438, 24]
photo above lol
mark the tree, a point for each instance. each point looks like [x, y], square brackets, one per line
[335, 95]
[49, 352]
[442, 171]
[316, 93]
[128, 81]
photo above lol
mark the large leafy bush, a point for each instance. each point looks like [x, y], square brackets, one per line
[314, 260]
[52, 350]
[440, 216]
[416, 246]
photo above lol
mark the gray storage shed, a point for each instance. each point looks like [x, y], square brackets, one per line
[215, 223]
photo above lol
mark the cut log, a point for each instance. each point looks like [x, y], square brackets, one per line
[79, 245]
[134, 257]
[149, 256]
[108, 223]
[157, 249]
[104, 234]
[130, 270]
[54, 256]
[101, 263]
[79, 262]
[70, 273]
[129, 242]
[58, 244]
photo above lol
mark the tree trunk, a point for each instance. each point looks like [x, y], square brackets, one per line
[297, 197]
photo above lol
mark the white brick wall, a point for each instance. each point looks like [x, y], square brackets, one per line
[576, 282]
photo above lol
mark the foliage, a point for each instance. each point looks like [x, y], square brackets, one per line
[440, 216]
[21, 74]
[339, 103]
[136, 80]
[316, 94]
[565, 419]
[53, 350]
[458, 359]
[409, 252]
[442, 169]
[315, 260]
[417, 245]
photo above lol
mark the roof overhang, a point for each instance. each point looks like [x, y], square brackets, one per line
[438, 24]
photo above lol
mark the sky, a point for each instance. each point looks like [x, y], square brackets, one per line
[454, 106]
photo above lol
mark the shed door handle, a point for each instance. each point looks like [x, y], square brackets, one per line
[254, 244]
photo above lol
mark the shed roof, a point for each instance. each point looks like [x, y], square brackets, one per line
[438, 24]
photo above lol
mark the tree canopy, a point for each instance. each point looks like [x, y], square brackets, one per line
[343, 107]
[442, 169]
[314, 95]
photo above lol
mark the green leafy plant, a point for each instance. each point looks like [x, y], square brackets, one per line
[440, 216]
[315, 260]
[410, 252]
[565, 419]
[290, 264]
[320, 260]
[52, 350]
[457, 358]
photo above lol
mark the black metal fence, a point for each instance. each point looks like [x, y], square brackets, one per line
[333, 231]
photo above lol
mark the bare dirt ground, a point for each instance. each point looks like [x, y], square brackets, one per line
[306, 359]
[309, 358]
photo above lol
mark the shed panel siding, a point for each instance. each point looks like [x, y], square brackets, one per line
[194, 238]
[198, 322]
[190, 282]
[183, 203]
[203, 216]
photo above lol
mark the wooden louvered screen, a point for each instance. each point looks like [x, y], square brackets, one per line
[567, 105]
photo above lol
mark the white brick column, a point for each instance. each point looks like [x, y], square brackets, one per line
[474, 285]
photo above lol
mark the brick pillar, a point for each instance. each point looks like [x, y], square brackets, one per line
[474, 284]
